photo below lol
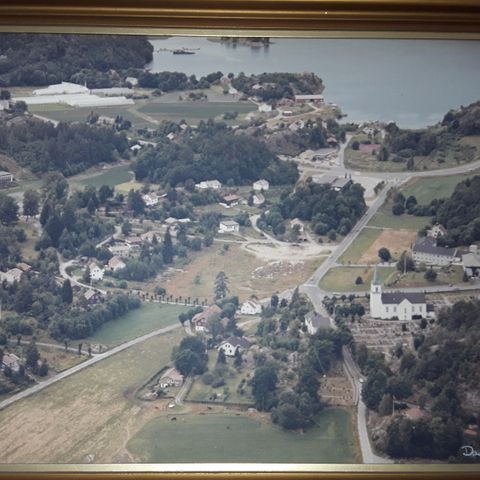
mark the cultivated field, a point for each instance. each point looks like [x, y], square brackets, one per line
[397, 241]
[385, 218]
[90, 416]
[361, 244]
[229, 437]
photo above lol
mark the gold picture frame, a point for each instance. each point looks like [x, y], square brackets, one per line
[444, 19]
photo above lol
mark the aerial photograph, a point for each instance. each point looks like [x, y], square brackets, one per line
[239, 250]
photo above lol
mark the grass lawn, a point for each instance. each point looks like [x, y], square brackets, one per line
[90, 413]
[229, 438]
[112, 177]
[193, 111]
[416, 279]
[385, 218]
[202, 392]
[28, 247]
[149, 317]
[427, 189]
[342, 279]
[127, 186]
[361, 244]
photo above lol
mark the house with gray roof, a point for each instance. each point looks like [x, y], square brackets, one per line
[425, 250]
[233, 344]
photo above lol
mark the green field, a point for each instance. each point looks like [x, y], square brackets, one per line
[111, 177]
[417, 279]
[427, 189]
[89, 413]
[228, 438]
[193, 111]
[342, 279]
[64, 113]
[361, 244]
[149, 317]
[385, 218]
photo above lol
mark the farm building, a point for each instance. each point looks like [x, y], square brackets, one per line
[120, 249]
[171, 378]
[11, 361]
[230, 200]
[92, 296]
[471, 262]
[63, 88]
[309, 99]
[334, 182]
[264, 107]
[437, 230]
[6, 177]
[96, 273]
[258, 199]
[229, 226]
[150, 199]
[234, 344]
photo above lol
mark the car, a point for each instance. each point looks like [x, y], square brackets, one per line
[361, 380]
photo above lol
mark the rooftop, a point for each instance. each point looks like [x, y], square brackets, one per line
[395, 298]
[429, 245]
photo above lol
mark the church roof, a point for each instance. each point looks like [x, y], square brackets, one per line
[398, 297]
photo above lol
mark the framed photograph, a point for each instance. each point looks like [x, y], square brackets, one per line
[239, 239]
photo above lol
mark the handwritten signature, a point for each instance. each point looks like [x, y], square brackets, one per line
[469, 451]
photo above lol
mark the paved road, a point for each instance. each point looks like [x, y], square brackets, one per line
[87, 363]
[62, 266]
[183, 391]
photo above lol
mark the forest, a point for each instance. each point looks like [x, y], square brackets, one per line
[214, 152]
[67, 148]
[45, 59]
[440, 372]
[331, 212]
[464, 121]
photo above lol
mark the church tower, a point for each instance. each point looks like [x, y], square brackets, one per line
[376, 296]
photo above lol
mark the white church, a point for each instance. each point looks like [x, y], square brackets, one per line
[401, 305]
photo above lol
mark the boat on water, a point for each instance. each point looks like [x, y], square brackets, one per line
[182, 51]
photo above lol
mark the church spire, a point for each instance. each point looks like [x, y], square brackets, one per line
[376, 279]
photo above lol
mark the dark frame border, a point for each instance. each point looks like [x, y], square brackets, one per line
[330, 18]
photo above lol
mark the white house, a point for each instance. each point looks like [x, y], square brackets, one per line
[258, 199]
[120, 249]
[233, 344]
[264, 107]
[209, 184]
[251, 307]
[11, 276]
[116, 263]
[171, 378]
[229, 226]
[315, 321]
[471, 262]
[6, 177]
[199, 321]
[11, 361]
[260, 185]
[401, 305]
[437, 230]
[96, 273]
[426, 251]
[150, 199]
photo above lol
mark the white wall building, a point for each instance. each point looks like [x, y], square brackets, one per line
[401, 305]
[209, 184]
[96, 273]
[426, 251]
[150, 199]
[260, 185]
[229, 226]
[251, 307]
[232, 344]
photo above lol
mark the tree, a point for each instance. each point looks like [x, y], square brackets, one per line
[5, 95]
[398, 209]
[386, 405]
[221, 286]
[358, 281]
[238, 360]
[126, 228]
[274, 301]
[264, 384]
[167, 248]
[406, 263]
[190, 357]
[383, 154]
[67, 292]
[86, 275]
[23, 298]
[31, 201]
[32, 356]
[355, 145]
[430, 275]
[221, 356]
[135, 202]
[374, 389]
[8, 210]
[384, 254]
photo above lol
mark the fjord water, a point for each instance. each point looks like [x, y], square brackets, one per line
[411, 82]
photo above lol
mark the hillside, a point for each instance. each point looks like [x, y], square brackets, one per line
[38, 59]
